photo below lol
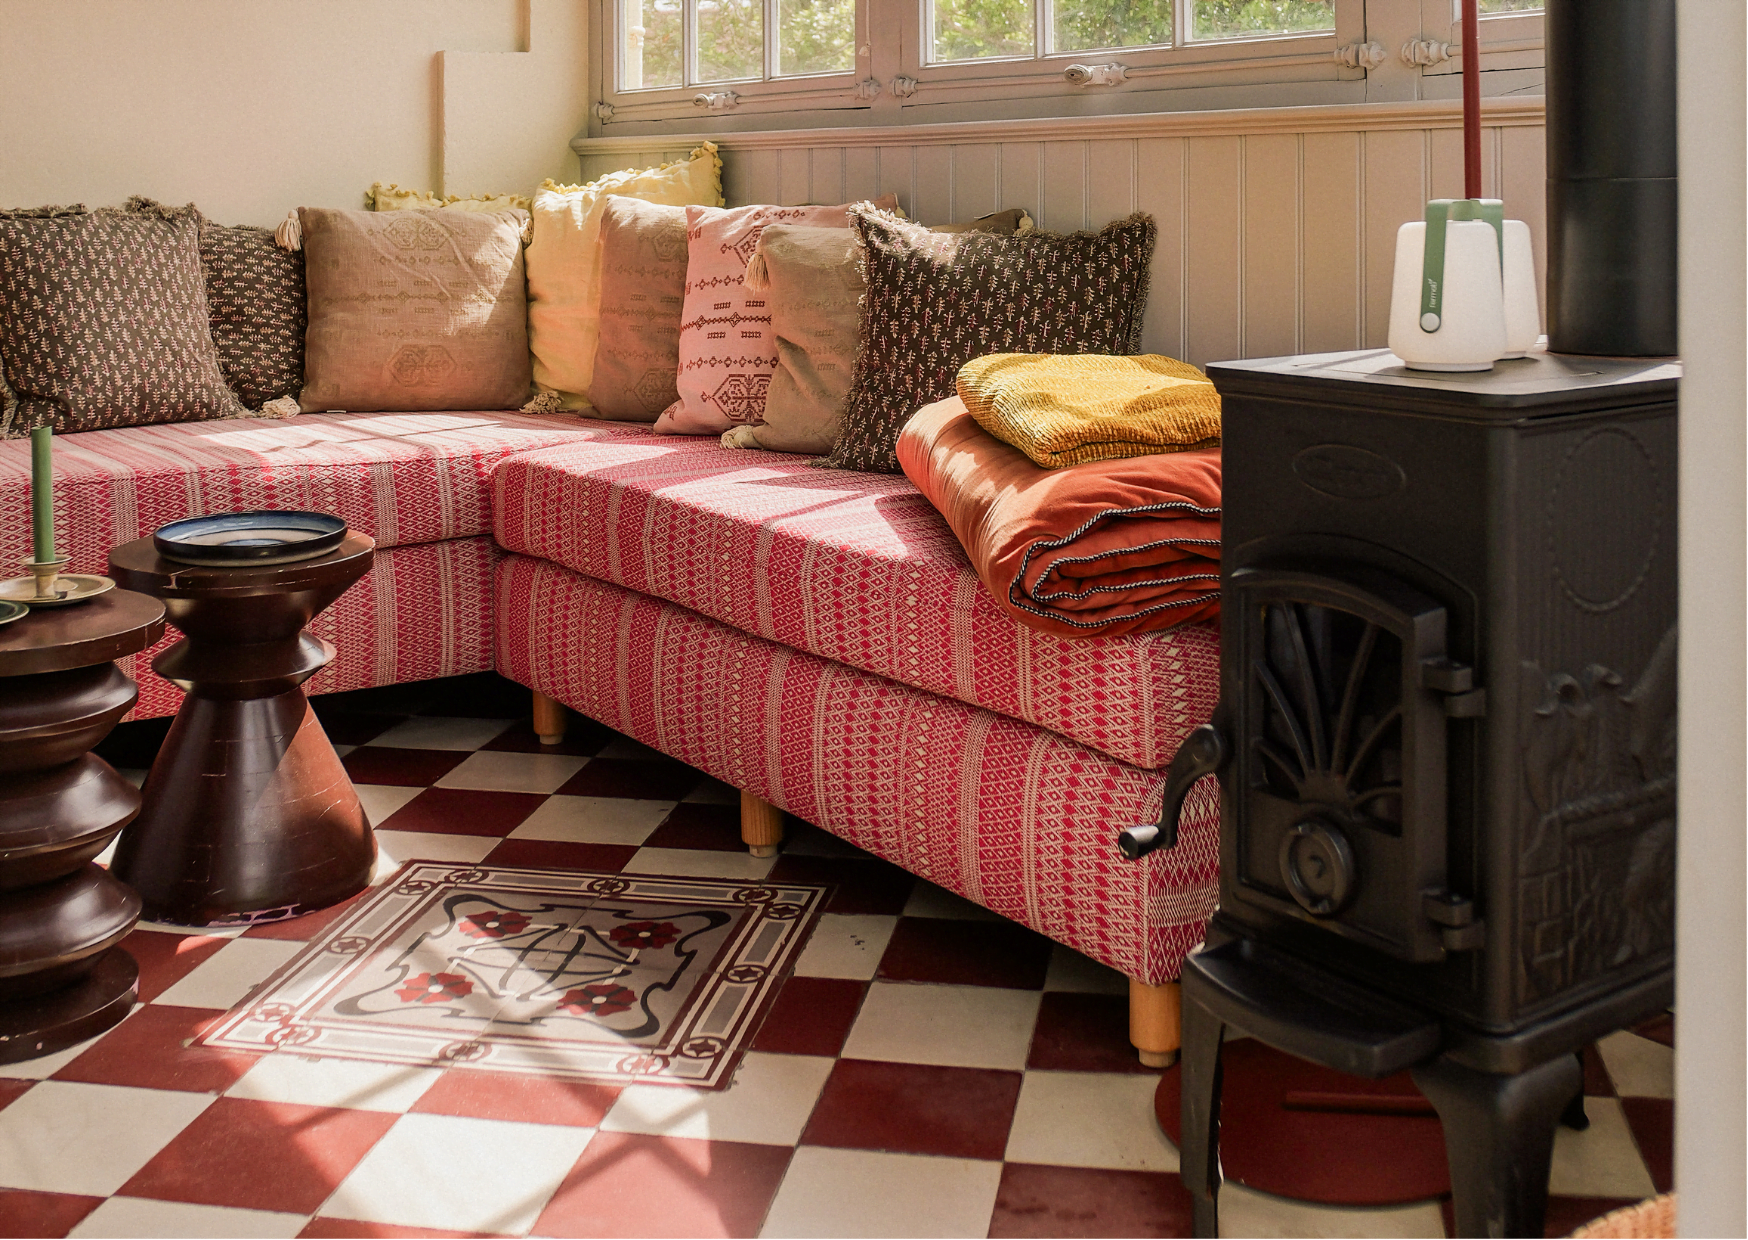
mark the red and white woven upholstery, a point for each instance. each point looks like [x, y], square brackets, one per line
[422, 612]
[402, 478]
[857, 568]
[1010, 815]
[419, 483]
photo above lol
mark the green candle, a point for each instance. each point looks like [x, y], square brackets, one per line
[42, 493]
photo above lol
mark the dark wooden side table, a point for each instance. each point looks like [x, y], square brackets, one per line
[248, 814]
[62, 977]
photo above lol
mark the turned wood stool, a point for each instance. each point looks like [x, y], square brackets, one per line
[62, 977]
[248, 814]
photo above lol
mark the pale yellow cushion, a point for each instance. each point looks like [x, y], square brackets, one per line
[391, 197]
[564, 263]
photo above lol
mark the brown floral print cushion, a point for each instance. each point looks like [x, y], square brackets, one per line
[936, 301]
[103, 321]
[255, 302]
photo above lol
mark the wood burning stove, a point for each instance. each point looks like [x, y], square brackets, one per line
[1446, 741]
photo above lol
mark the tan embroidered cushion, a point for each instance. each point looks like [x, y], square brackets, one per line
[413, 310]
[643, 286]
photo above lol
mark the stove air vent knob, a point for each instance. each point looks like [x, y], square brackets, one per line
[1318, 866]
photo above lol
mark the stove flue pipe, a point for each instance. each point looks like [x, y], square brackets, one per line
[1611, 177]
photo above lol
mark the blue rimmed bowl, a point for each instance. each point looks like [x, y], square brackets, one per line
[249, 539]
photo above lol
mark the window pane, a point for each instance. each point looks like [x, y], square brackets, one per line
[973, 29]
[649, 54]
[1077, 24]
[731, 39]
[1511, 6]
[816, 36]
[1232, 19]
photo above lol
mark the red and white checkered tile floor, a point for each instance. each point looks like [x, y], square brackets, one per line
[928, 1069]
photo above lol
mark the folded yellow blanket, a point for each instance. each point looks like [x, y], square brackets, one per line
[1065, 409]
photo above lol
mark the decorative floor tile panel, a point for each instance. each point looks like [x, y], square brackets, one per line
[619, 978]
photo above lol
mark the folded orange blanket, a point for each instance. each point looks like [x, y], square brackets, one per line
[1089, 550]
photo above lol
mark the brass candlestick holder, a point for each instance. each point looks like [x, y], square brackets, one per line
[47, 574]
[48, 584]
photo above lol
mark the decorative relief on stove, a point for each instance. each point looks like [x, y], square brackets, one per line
[1342, 471]
[1600, 557]
[1596, 874]
[1332, 727]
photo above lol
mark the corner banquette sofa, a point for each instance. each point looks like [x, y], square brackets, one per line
[816, 638]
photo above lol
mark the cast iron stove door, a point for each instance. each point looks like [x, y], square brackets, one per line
[1343, 688]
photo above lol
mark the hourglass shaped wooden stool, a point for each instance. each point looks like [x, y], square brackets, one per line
[248, 814]
[62, 977]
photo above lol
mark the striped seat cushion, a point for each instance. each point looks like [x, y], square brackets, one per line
[853, 567]
[402, 478]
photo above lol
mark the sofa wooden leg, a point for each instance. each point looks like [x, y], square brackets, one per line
[549, 719]
[761, 825]
[1156, 1022]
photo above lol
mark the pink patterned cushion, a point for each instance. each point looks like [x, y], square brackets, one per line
[727, 351]
[422, 612]
[1009, 815]
[402, 478]
[858, 568]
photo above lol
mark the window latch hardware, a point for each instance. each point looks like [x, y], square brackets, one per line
[1367, 56]
[716, 100]
[1096, 75]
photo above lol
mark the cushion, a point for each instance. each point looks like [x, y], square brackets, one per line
[643, 285]
[856, 568]
[1014, 817]
[391, 197]
[936, 301]
[727, 354]
[1069, 409]
[400, 477]
[256, 306]
[810, 280]
[1106, 547]
[414, 310]
[104, 321]
[564, 264]
[813, 283]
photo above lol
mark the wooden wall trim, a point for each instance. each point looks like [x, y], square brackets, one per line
[1337, 118]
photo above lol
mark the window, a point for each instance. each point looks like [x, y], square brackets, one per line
[675, 43]
[984, 29]
[675, 60]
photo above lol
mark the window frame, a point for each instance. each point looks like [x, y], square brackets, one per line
[890, 55]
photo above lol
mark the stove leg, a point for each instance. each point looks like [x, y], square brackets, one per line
[1199, 1156]
[1499, 1137]
[1573, 1116]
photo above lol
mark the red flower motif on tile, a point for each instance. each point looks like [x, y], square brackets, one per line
[434, 988]
[600, 999]
[493, 924]
[644, 934]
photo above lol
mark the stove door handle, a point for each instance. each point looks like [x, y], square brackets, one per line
[1203, 753]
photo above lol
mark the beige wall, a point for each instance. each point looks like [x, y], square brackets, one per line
[252, 107]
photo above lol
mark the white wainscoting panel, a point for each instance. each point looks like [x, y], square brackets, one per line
[1277, 227]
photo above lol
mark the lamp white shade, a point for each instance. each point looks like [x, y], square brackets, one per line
[1523, 316]
[1471, 333]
